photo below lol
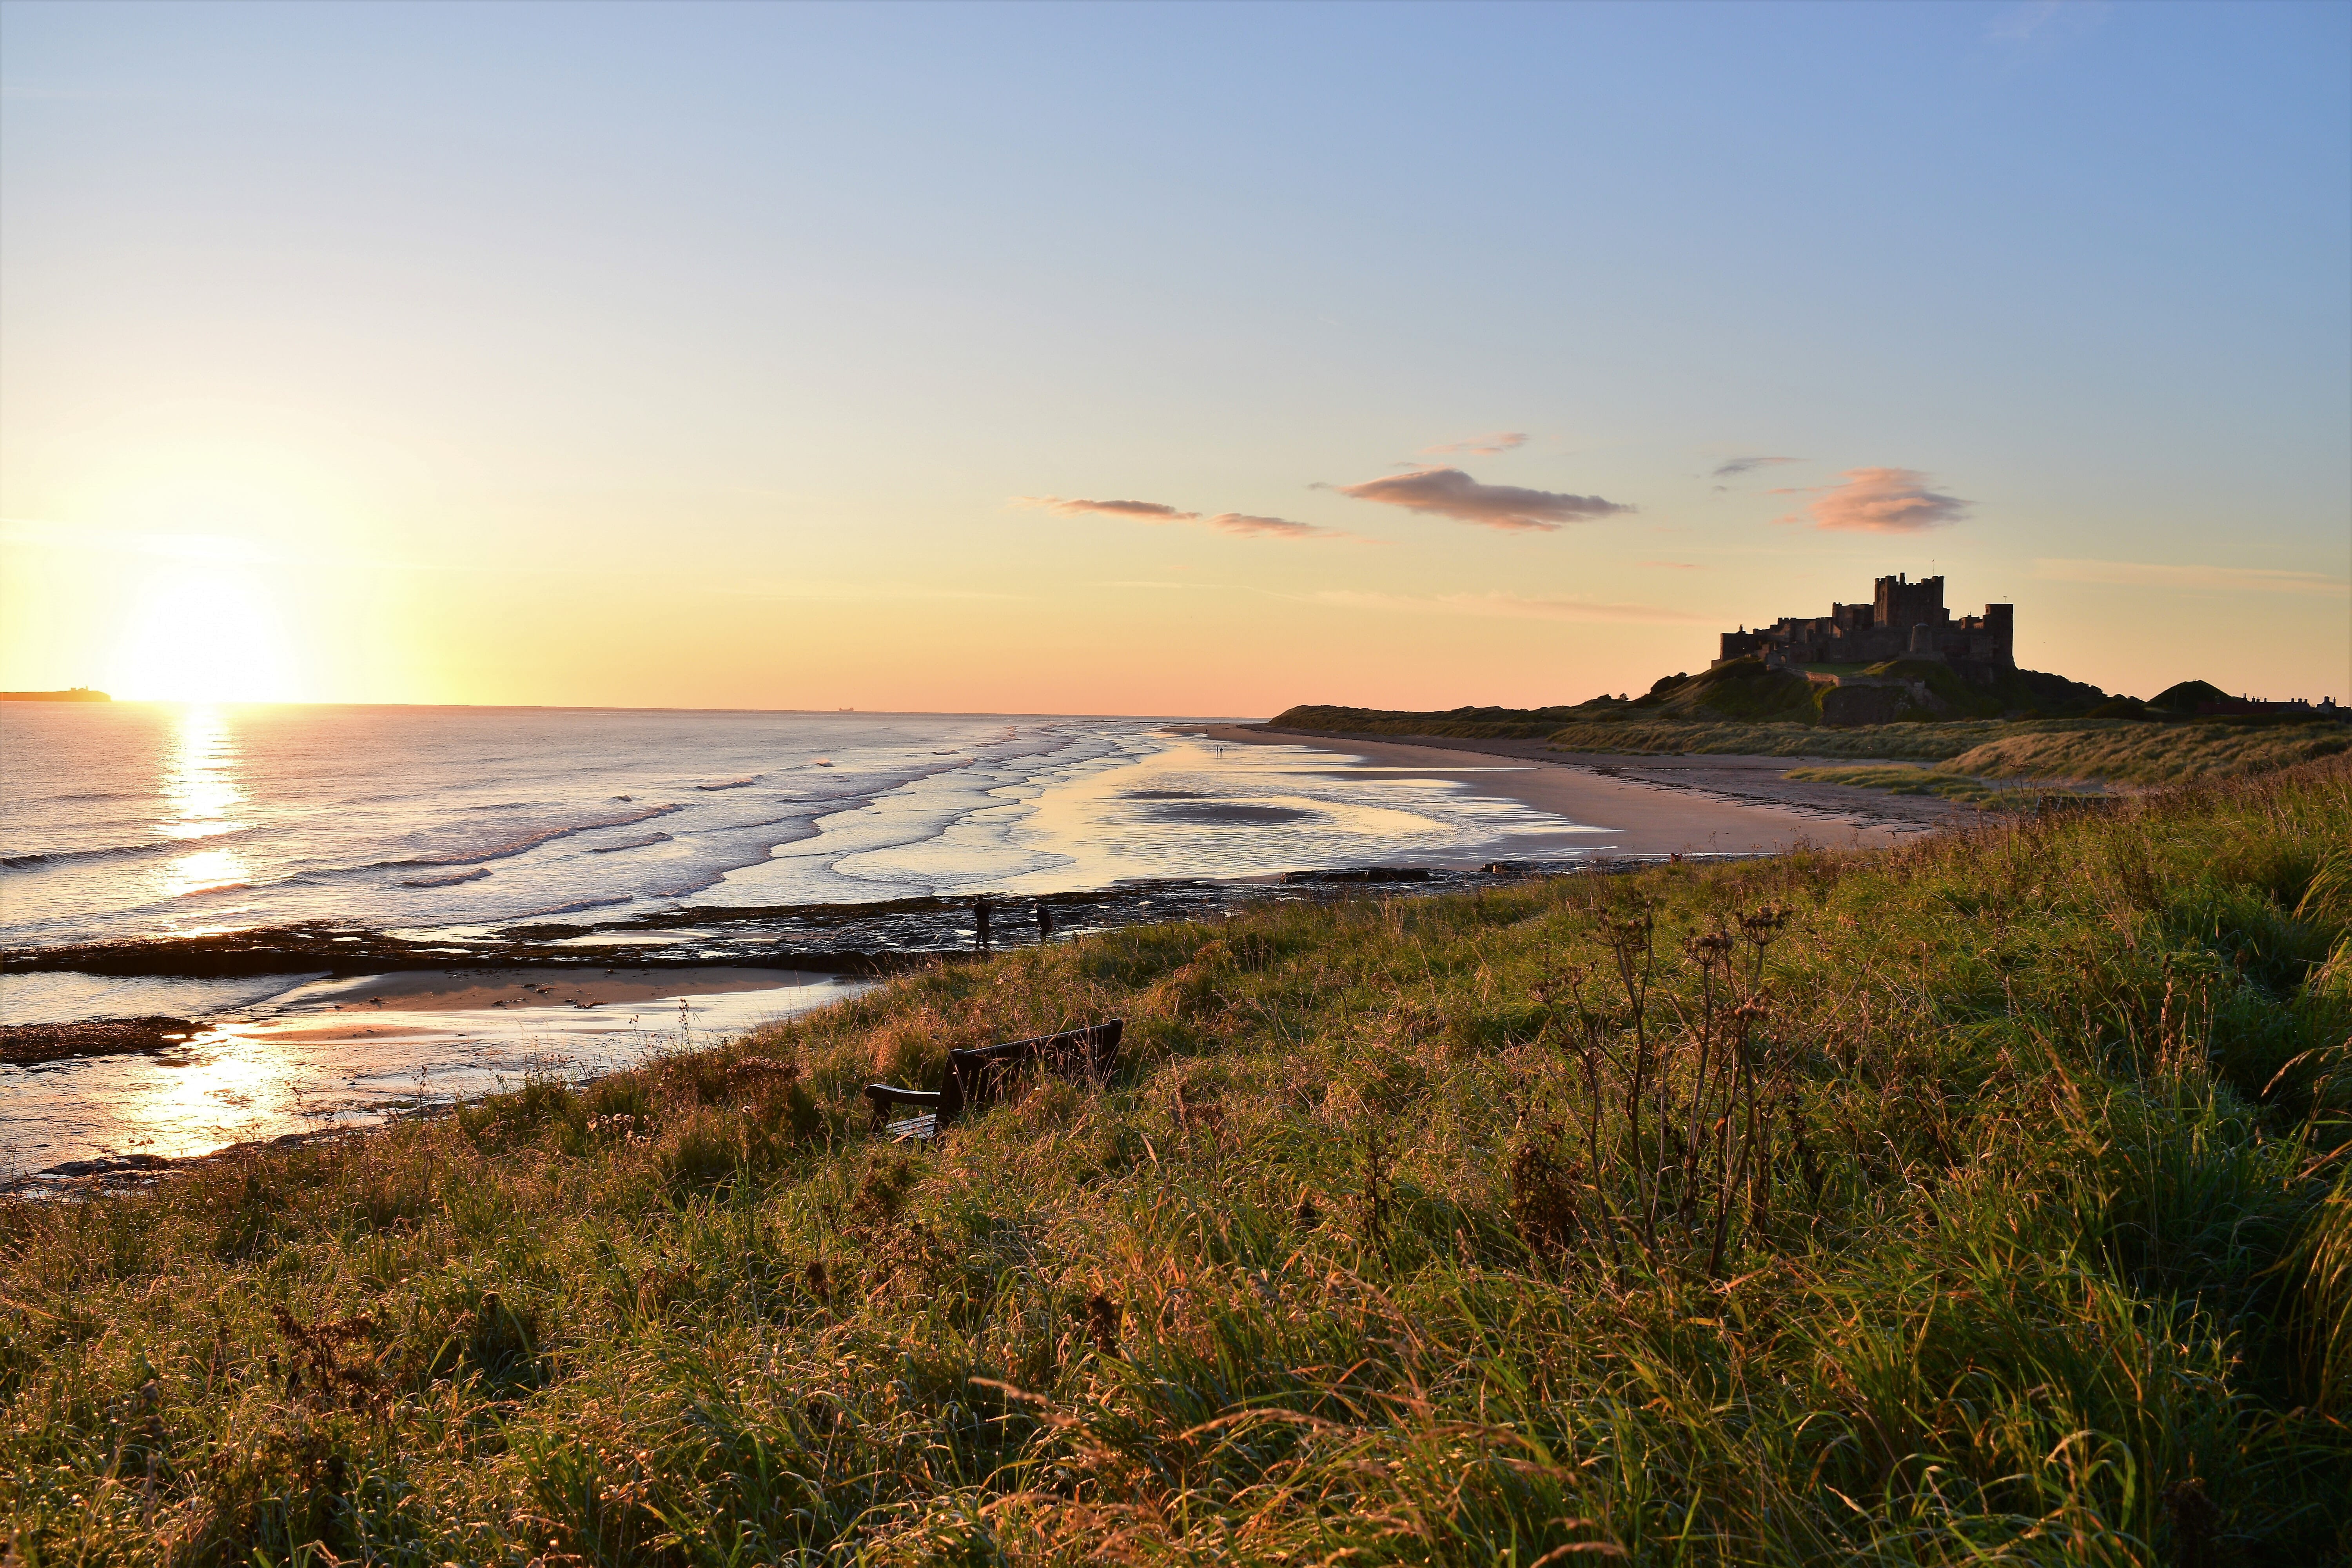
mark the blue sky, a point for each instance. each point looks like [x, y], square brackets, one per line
[740, 353]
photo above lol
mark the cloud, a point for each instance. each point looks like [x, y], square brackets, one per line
[1671, 566]
[1149, 510]
[1493, 445]
[1734, 467]
[1249, 527]
[2228, 579]
[1235, 522]
[1883, 501]
[1509, 607]
[1450, 492]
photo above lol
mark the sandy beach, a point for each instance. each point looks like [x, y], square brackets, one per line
[1719, 805]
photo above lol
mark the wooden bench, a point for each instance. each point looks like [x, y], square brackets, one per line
[977, 1076]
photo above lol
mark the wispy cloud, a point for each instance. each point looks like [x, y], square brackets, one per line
[2041, 19]
[1671, 566]
[1880, 501]
[1249, 527]
[1239, 523]
[1732, 467]
[1450, 492]
[1149, 510]
[1509, 607]
[2227, 579]
[1492, 445]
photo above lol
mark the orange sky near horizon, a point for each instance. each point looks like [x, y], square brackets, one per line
[215, 620]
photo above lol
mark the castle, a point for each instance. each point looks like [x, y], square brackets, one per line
[1903, 620]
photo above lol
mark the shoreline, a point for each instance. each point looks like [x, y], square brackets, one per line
[1653, 805]
[330, 1057]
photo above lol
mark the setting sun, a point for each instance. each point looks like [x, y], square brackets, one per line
[201, 632]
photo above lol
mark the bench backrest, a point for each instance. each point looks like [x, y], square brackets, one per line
[977, 1075]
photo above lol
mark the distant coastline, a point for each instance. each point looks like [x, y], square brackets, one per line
[71, 694]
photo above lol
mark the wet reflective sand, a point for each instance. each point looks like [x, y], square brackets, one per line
[312, 1067]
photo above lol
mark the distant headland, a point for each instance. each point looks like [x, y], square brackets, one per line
[71, 694]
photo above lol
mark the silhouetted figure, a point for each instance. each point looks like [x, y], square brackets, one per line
[1045, 925]
[980, 924]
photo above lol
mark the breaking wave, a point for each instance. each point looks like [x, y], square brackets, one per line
[32, 860]
[476, 874]
[523, 843]
[625, 844]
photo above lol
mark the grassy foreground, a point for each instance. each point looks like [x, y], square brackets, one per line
[1976, 1201]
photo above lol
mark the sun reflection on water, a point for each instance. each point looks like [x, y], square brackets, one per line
[200, 796]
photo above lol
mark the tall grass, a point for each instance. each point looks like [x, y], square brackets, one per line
[1976, 1200]
[1907, 778]
[1902, 742]
[2117, 750]
[2152, 753]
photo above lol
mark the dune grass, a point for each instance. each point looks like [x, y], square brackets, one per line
[1980, 1201]
[1908, 778]
[2118, 751]
[2151, 753]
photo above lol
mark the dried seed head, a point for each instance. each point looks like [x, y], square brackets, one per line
[1709, 950]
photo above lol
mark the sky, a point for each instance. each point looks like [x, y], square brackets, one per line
[1191, 359]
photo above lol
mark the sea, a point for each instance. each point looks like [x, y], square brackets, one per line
[147, 826]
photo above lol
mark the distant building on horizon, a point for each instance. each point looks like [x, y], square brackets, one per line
[71, 694]
[1903, 620]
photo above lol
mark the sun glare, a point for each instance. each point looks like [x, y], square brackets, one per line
[202, 632]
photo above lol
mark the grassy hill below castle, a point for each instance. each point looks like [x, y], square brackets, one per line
[1980, 1201]
[2072, 731]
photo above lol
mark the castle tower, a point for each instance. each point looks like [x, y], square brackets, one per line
[2000, 629]
[1901, 603]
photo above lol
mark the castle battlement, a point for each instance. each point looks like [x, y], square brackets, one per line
[1902, 620]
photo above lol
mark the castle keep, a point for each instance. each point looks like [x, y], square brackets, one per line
[1903, 620]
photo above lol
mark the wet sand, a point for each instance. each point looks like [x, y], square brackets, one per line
[1645, 809]
[319, 1060]
[472, 990]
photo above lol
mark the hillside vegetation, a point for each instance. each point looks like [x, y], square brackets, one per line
[1977, 1202]
[2150, 754]
[2113, 750]
[1910, 778]
[1742, 692]
[2117, 750]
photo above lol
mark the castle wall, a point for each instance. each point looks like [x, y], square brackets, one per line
[1883, 629]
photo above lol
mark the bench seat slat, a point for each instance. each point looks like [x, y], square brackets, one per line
[914, 1130]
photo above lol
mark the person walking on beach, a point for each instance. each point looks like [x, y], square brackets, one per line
[979, 922]
[1044, 924]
